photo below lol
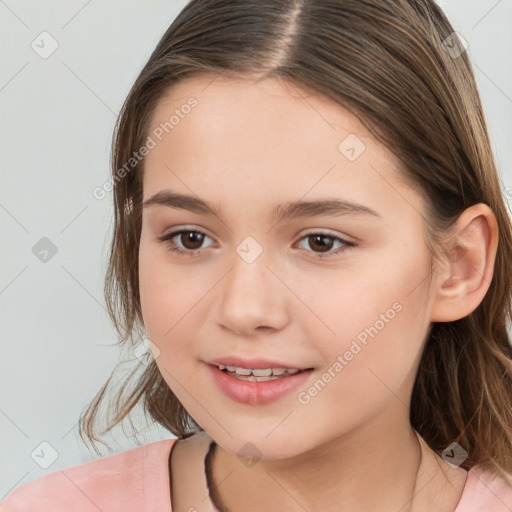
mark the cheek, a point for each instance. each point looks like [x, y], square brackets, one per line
[162, 307]
[367, 365]
[171, 304]
[151, 291]
[163, 296]
[377, 320]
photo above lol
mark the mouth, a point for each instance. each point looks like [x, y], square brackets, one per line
[257, 386]
[259, 374]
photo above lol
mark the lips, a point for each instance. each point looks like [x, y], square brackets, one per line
[257, 393]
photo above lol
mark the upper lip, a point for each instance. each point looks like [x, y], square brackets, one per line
[253, 364]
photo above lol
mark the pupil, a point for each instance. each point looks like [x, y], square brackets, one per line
[322, 244]
[192, 237]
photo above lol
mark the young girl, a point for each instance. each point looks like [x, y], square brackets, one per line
[310, 233]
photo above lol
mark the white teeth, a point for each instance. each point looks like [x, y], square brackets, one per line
[262, 373]
[243, 371]
[261, 379]
[259, 372]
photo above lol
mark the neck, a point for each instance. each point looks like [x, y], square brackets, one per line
[367, 470]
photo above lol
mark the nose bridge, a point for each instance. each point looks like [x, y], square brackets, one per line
[252, 295]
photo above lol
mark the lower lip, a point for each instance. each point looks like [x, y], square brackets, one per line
[256, 393]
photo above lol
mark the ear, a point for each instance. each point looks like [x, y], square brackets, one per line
[465, 274]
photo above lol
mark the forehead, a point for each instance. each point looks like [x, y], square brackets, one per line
[241, 134]
[238, 100]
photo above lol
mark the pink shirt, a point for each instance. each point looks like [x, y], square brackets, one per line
[137, 480]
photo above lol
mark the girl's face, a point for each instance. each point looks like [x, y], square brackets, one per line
[341, 290]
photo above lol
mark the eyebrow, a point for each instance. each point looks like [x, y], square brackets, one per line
[289, 210]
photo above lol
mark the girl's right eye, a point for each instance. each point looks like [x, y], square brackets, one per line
[195, 240]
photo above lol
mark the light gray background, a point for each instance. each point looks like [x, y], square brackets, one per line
[57, 117]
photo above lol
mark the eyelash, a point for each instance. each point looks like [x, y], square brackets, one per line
[171, 246]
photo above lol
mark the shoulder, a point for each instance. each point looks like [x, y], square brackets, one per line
[483, 491]
[115, 482]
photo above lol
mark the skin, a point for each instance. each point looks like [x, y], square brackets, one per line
[246, 147]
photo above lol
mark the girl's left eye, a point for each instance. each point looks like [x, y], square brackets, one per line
[325, 241]
[194, 239]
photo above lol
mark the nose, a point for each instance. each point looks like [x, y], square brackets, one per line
[253, 298]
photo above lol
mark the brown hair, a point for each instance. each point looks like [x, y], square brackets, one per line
[385, 61]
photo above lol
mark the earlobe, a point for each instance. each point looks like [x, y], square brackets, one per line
[468, 265]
